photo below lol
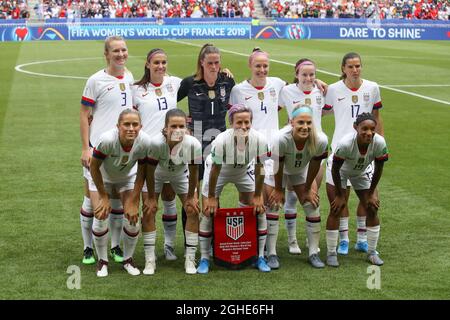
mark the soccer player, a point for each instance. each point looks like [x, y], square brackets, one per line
[304, 91]
[113, 166]
[260, 94]
[106, 94]
[300, 150]
[352, 161]
[208, 93]
[154, 95]
[234, 154]
[174, 156]
[348, 98]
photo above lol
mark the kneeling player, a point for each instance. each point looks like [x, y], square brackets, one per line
[352, 161]
[113, 167]
[300, 152]
[174, 157]
[231, 158]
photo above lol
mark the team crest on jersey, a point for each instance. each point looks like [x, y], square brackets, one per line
[122, 86]
[261, 96]
[361, 160]
[235, 227]
[211, 94]
[319, 100]
[366, 96]
[124, 160]
[308, 101]
[158, 92]
[223, 92]
[354, 99]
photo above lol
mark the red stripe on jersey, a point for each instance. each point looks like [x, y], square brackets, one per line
[384, 157]
[354, 89]
[87, 102]
[152, 161]
[378, 105]
[306, 92]
[156, 84]
[259, 88]
[119, 77]
[327, 107]
[322, 156]
[98, 154]
[127, 149]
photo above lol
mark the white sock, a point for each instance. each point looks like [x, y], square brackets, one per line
[343, 229]
[149, 245]
[290, 215]
[362, 230]
[332, 239]
[130, 238]
[373, 233]
[100, 234]
[205, 236]
[191, 243]
[312, 227]
[169, 219]
[116, 222]
[272, 231]
[86, 220]
[262, 233]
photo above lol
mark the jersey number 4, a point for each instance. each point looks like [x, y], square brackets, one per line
[263, 108]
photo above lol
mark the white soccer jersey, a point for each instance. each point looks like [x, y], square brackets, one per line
[189, 151]
[295, 159]
[236, 156]
[291, 96]
[119, 164]
[108, 96]
[263, 103]
[154, 102]
[356, 162]
[347, 104]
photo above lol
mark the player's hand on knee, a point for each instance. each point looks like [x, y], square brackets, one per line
[276, 199]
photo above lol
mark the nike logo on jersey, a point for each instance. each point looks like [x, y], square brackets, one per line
[199, 94]
[144, 94]
[295, 102]
[110, 88]
[340, 99]
[246, 98]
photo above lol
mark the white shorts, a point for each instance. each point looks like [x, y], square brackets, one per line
[118, 186]
[179, 181]
[289, 180]
[242, 178]
[329, 177]
[361, 182]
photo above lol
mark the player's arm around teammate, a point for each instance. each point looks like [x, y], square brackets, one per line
[354, 153]
[113, 167]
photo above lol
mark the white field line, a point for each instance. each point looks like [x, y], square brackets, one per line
[324, 72]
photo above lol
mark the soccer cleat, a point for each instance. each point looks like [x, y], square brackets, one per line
[315, 261]
[150, 267]
[362, 246]
[262, 265]
[117, 254]
[169, 253]
[273, 261]
[294, 248]
[343, 247]
[203, 266]
[374, 259]
[88, 256]
[189, 265]
[332, 260]
[102, 268]
[128, 265]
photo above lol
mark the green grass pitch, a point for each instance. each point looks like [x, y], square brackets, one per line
[41, 182]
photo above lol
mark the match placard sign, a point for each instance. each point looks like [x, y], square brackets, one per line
[235, 237]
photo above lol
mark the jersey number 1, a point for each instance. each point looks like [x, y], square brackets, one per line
[355, 110]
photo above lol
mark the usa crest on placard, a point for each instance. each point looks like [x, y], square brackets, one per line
[235, 227]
